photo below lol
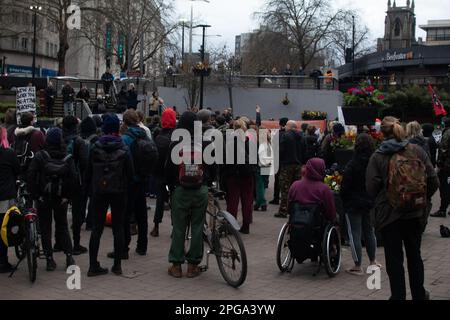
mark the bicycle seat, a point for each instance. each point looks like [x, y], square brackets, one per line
[217, 193]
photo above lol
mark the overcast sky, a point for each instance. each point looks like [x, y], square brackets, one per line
[232, 17]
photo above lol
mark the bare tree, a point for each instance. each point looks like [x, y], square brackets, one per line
[139, 22]
[342, 37]
[307, 25]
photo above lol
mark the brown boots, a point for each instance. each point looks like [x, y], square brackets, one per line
[176, 271]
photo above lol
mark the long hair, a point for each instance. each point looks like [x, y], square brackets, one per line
[392, 129]
[414, 130]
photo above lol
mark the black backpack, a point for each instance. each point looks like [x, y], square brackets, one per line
[306, 222]
[108, 174]
[22, 148]
[54, 176]
[145, 155]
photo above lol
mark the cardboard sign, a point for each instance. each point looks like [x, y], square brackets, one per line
[25, 101]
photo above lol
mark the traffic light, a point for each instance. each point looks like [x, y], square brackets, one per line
[348, 55]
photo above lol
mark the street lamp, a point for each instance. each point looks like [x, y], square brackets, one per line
[353, 50]
[192, 23]
[202, 51]
[35, 9]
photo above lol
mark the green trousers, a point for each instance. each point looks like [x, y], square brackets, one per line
[188, 209]
[261, 182]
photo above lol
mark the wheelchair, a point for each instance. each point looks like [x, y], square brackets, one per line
[323, 245]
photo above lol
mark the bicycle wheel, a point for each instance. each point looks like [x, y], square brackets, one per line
[285, 261]
[32, 251]
[230, 254]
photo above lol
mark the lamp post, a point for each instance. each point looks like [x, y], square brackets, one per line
[35, 10]
[353, 50]
[202, 51]
[192, 23]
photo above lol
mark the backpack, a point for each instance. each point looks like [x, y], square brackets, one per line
[12, 230]
[22, 148]
[108, 174]
[306, 222]
[73, 149]
[191, 169]
[55, 174]
[145, 155]
[407, 181]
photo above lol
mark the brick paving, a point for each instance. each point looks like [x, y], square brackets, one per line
[146, 277]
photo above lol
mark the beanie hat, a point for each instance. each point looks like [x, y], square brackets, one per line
[428, 129]
[88, 127]
[187, 121]
[111, 124]
[54, 137]
[168, 119]
[283, 122]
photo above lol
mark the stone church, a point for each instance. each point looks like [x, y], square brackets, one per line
[400, 27]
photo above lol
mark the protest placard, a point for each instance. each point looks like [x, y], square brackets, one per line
[25, 101]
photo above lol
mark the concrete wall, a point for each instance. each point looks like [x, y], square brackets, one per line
[245, 100]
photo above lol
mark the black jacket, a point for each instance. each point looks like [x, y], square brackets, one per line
[132, 99]
[249, 168]
[433, 146]
[85, 95]
[80, 151]
[36, 169]
[109, 144]
[163, 142]
[311, 148]
[291, 148]
[353, 189]
[9, 172]
[68, 94]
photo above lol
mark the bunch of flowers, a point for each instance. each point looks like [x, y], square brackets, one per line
[314, 115]
[346, 141]
[364, 95]
[202, 66]
[377, 137]
[334, 181]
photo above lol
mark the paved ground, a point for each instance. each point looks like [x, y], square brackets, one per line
[146, 277]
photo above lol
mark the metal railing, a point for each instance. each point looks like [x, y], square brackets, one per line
[258, 81]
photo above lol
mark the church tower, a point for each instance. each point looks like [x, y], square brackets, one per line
[400, 27]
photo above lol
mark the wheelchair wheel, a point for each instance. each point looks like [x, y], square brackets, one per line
[285, 261]
[331, 249]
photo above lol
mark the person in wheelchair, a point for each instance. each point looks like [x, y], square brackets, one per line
[311, 206]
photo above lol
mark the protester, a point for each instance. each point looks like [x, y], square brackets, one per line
[428, 130]
[276, 185]
[291, 156]
[123, 100]
[132, 98]
[358, 203]
[327, 151]
[311, 145]
[415, 136]
[109, 183]
[141, 124]
[399, 215]
[239, 177]
[51, 181]
[9, 173]
[84, 94]
[50, 95]
[68, 97]
[189, 202]
[156, 104]
[163, 141]
[10, 124]
[265, 162]
[107, 79]
[443, 165]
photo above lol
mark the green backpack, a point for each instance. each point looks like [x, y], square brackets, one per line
[407, 181]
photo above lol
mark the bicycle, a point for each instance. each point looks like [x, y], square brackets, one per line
[221, 234]
[29, 248]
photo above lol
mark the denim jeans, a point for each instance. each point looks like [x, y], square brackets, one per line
[68, 108]
[360, 226]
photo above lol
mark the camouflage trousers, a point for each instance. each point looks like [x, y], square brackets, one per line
[288, 175]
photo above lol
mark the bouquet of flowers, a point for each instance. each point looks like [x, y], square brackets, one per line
[334, 181]
[347, 141]
[314, 115]
[377, 137]
[364, 95]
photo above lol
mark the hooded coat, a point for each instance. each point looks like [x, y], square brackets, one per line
[312, 190]
[377, 182]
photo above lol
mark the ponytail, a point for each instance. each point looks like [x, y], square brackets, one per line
[4, 138]
[392, 129]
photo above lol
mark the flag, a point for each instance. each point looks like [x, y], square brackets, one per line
[439, 109]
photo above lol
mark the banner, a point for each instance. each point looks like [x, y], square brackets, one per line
[439, 109]
[25, 101]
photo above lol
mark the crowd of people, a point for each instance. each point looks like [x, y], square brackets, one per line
[101, 163]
